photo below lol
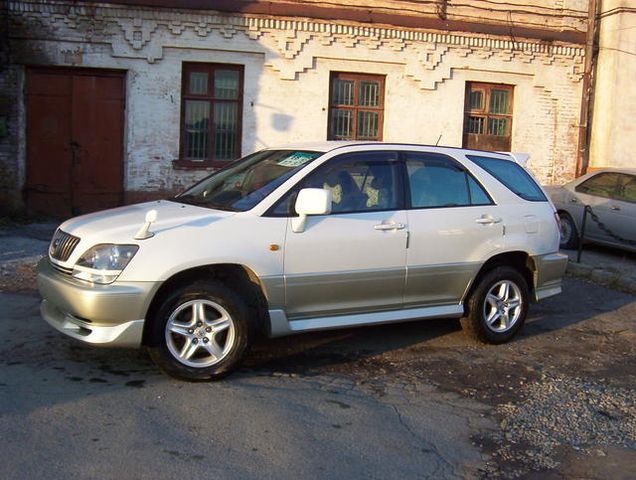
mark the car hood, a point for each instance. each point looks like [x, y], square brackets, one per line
[119, 225]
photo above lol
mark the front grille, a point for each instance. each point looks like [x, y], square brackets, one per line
[61, 269]
[62, 245]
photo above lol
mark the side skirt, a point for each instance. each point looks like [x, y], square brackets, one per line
[280, 326]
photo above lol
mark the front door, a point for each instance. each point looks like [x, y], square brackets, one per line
[74, 140]
[352, 260]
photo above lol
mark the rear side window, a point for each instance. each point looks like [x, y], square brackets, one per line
[437, 181]
[512, 175]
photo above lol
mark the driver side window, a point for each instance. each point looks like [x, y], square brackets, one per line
[359, 182]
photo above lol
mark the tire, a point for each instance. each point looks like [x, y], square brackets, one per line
[200, 332]
[490, 314]
[569, 233]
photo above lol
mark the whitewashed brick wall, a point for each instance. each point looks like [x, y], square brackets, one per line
[287, 65]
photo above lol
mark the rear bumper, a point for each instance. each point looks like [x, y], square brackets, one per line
[110, 315]
[548, 274]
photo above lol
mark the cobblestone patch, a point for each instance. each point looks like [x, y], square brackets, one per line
[563, 411]
[21, 248]
[19, 276]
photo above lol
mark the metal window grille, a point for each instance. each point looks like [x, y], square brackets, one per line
[356, 106]
[212, 98]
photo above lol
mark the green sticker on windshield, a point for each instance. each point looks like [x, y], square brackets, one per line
[297, 159]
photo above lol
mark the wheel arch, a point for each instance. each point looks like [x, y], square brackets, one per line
[562, 212]
[517, 259]
[240, 278]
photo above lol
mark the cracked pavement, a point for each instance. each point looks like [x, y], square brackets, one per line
[69, 411]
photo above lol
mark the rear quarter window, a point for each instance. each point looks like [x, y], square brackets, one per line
[512, 175]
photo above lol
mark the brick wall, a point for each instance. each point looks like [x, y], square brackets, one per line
[10, 138]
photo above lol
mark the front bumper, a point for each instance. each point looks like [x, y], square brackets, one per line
[111, 315]
[548, 273]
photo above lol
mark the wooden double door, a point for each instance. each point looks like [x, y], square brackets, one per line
[74, 140]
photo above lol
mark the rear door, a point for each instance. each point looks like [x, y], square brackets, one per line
[453, 225]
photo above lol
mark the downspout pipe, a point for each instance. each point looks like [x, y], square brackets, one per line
[589, 76]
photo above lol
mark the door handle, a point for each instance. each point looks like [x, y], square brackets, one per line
[615, 208]
[488, 220]
[389, 226]
[573, 200]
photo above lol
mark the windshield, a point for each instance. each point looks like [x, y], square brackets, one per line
[242, 185]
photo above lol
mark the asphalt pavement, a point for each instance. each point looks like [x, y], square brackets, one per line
[69, 411]
[414, 400]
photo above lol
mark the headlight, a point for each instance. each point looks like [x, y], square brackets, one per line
[103, 263]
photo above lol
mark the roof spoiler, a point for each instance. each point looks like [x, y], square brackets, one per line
[520, 158]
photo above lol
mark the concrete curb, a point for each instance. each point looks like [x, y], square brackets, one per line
[603, 276]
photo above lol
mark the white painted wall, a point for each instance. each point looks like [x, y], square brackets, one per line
[613, 140]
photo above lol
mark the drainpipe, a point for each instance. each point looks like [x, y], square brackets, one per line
[587, 100]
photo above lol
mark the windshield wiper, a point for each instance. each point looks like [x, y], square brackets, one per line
[187, 199]
[198, 202]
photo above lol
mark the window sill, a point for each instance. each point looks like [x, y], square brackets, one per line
[181, 164]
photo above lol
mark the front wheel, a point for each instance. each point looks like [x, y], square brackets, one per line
[200, 332]
[498, 306]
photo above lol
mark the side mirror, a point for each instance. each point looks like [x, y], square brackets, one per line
[310, 201]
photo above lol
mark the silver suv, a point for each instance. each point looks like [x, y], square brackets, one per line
[304, 238]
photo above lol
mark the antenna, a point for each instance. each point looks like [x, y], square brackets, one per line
[438, 139]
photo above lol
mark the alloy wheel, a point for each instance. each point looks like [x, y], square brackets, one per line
[503, 306]
[200, 333]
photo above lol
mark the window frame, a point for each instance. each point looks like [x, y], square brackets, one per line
[209, 67]
[293, 191]
[355, 108]
[484, 113]
[404, 200]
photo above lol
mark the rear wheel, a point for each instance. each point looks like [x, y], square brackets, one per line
[498, 306]
[569, 234]
[200, 332]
